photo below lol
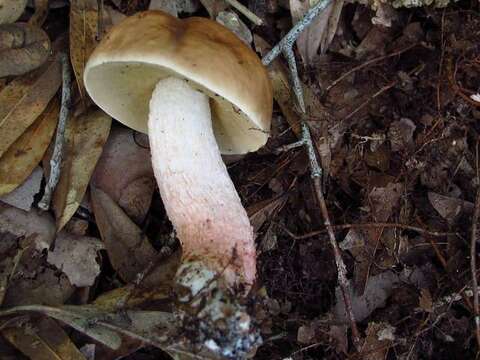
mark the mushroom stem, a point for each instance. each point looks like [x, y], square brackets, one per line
[198, 194]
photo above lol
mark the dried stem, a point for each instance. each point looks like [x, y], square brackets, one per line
[473, 260]
[285, 46]
[56, 160]
[247, 13]
[370, 226]
[316, 174]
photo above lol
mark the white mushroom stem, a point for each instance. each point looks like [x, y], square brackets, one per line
[199, 197]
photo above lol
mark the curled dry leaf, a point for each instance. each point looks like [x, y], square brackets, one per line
[83, 36]
[18, 162]
[124, 172]
[42, 338]
[23, 48]
[320, 33]
[129, 250]
[76, 256]
[25, 98]
[23, 196]
[11, 10]
[85, 136]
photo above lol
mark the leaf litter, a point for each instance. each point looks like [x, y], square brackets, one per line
[390, 97]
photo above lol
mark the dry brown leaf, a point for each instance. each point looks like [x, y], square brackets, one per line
[83, 36]
[85, 136]
[25, 98]
[23, 48]
[11, 10]
[34, 281]
[129, 250]
[260, 212]
[76, 256]
[124, 172]
[25, 153]
[320, 33]
[42, 340]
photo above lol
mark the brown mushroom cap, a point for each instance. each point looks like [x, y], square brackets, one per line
[149, 46]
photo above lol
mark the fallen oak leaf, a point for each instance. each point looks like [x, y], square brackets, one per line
[85, 136]
[25, 98]
[41, 340]
[18, 162]
[23, 48]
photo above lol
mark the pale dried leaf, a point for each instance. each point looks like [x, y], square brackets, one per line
[18, 162]
[232, 21]
[448, 207]
[85, 136]
[76, 256]
[129, 250]
[168, 6]
[83, 36]
[38, 227]
[25, 98]
[11, 10]
[124, 171]
[23, 196]
[42, 340]
[319, 34]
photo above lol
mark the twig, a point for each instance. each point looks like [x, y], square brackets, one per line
[285, 46]
[247, 13]
[316, 174]
[56, 160]
[473, 262]
[100, 26]
[367, 63]
[370, 226]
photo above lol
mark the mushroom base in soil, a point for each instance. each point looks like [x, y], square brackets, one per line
[218, 248]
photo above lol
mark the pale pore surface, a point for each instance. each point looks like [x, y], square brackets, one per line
[199, 197]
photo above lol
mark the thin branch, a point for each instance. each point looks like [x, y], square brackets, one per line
[246, 12]
[473, 263]
[285, 46]
[367, 63]
[370, 226]
[316, 174]
[56, 160]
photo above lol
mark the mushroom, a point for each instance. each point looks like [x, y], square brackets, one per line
[199, 92]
